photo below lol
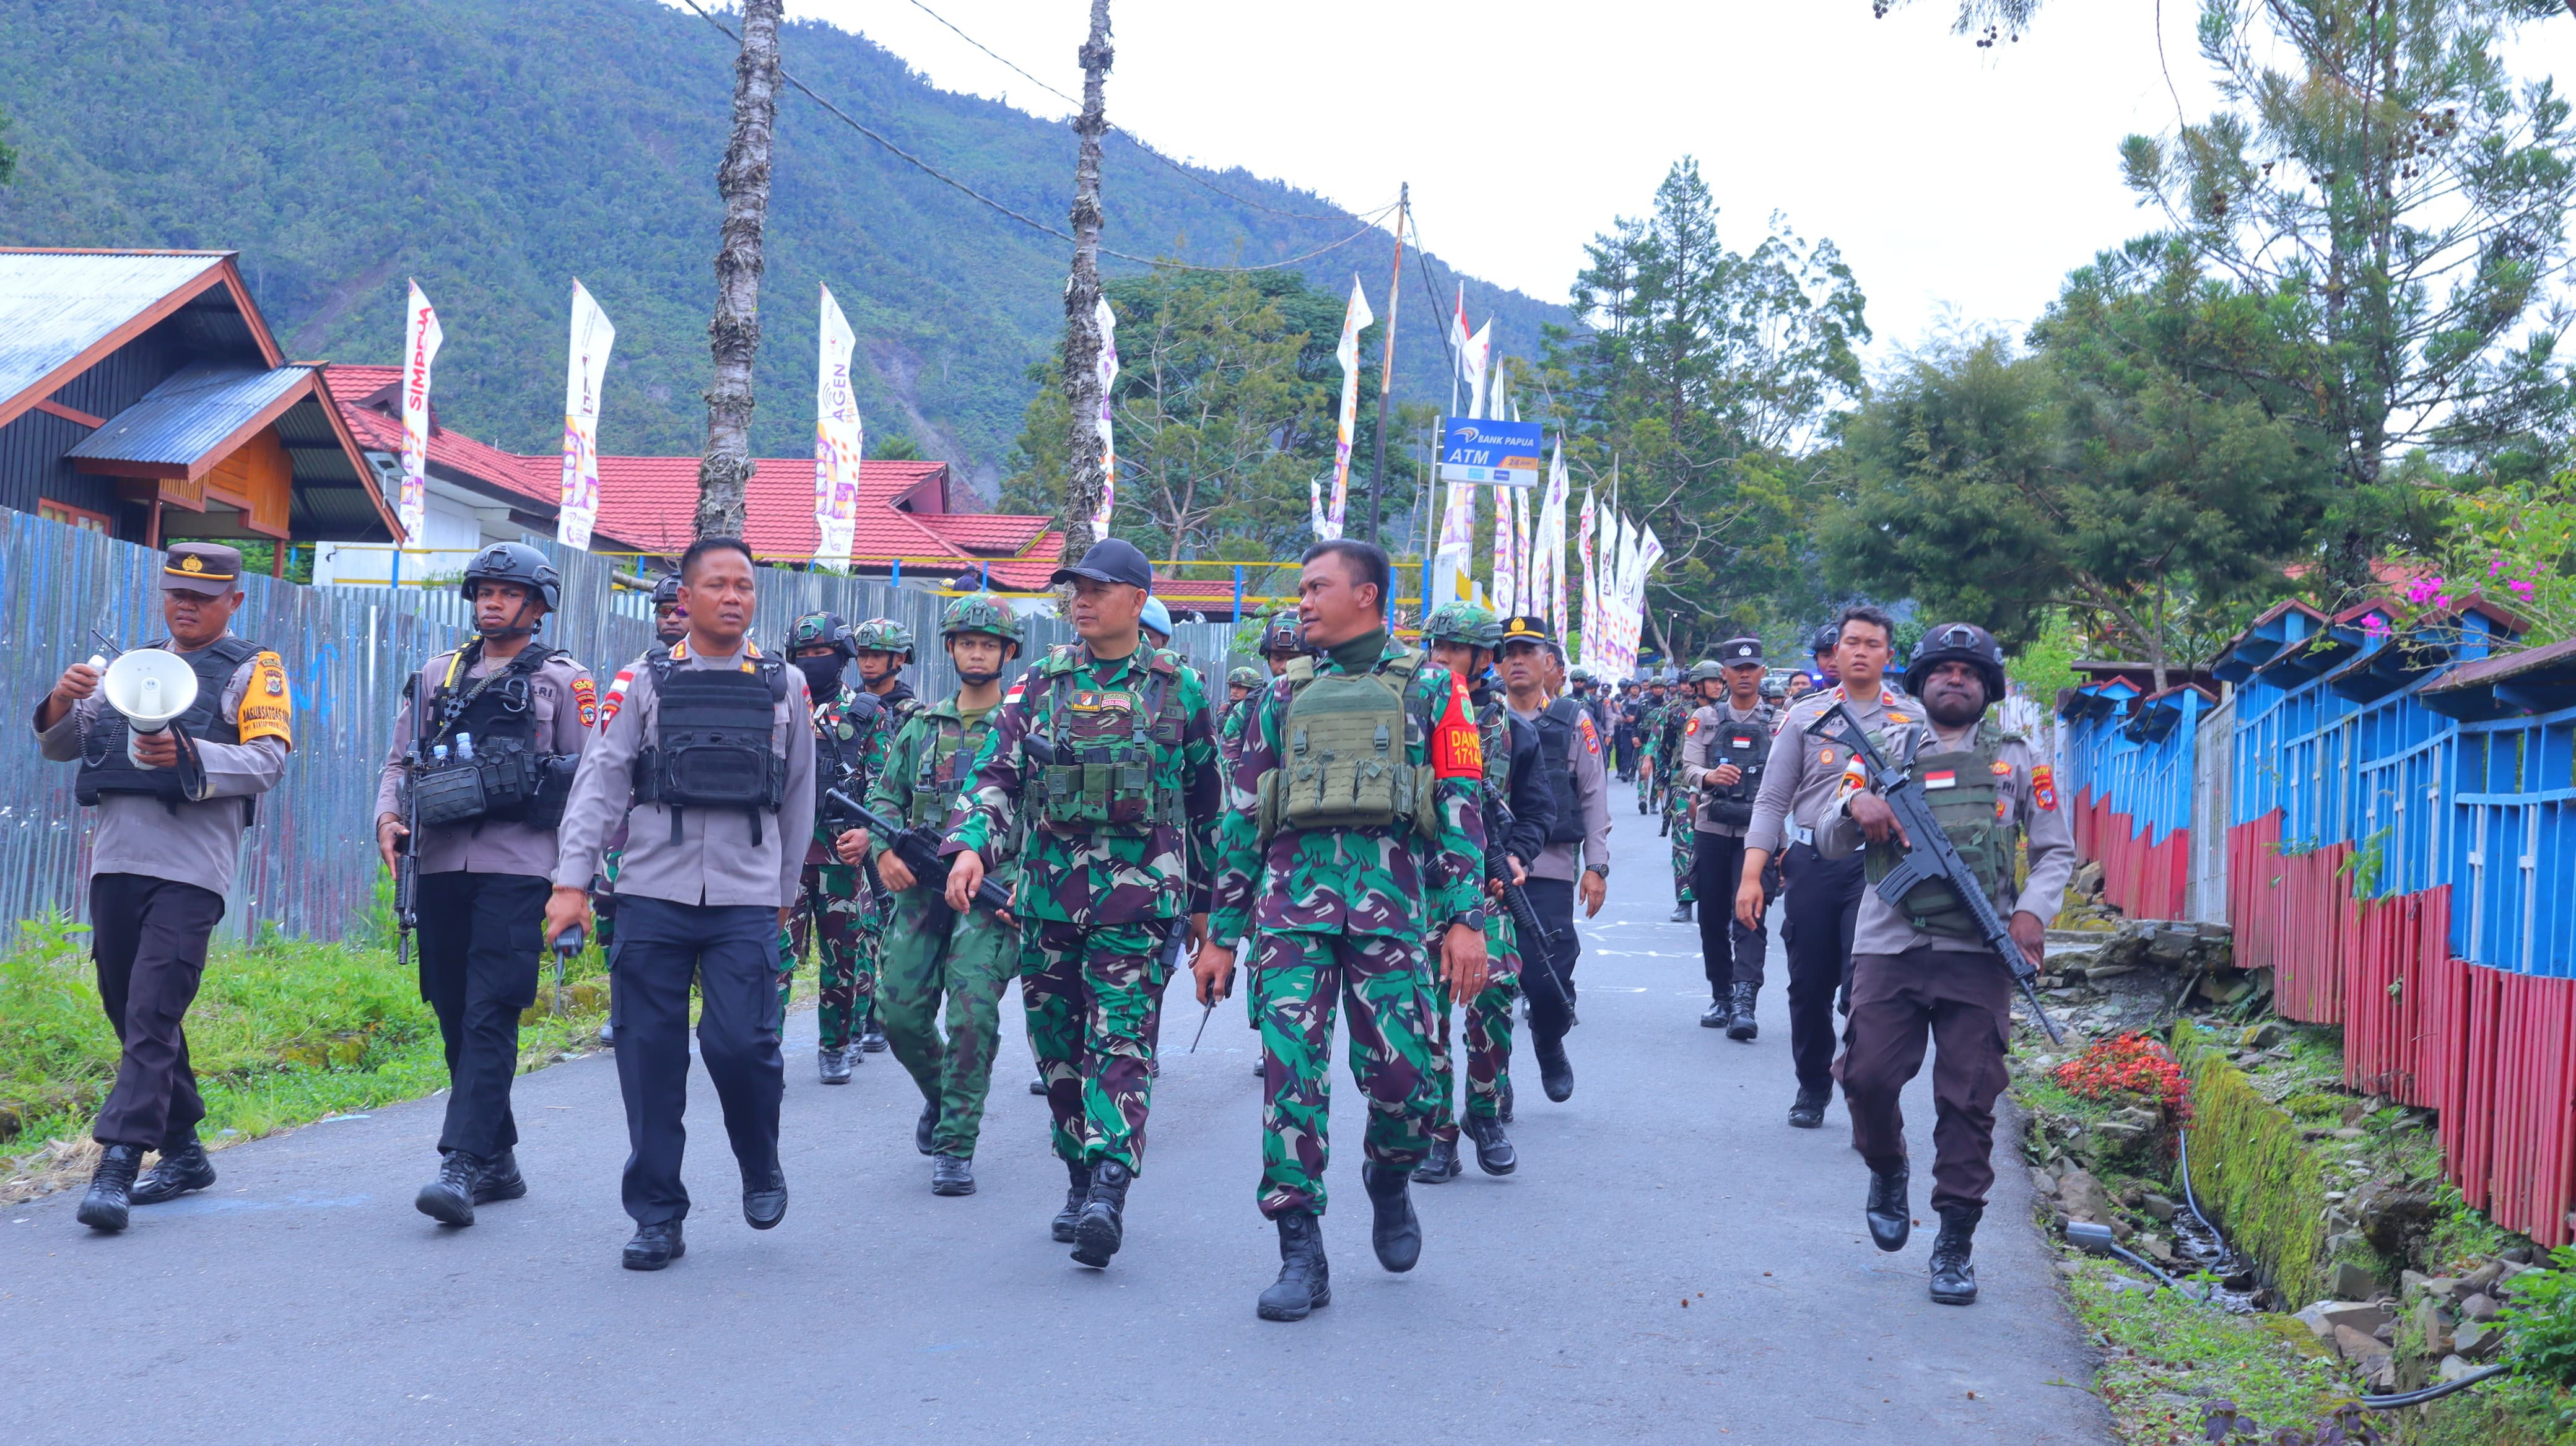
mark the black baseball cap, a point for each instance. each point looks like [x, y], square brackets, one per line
[1110, 560]
[1738, 652]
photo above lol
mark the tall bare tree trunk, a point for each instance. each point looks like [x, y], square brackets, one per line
[734, 335]
[1084, 477]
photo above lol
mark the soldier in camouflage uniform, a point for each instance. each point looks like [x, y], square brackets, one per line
[1706, 685]
[883, 646]
[1650, 732]
[1240, 684]
[830, 895]
[932, 952]
[1462, 637]
[1345, 870]
[1108, 757]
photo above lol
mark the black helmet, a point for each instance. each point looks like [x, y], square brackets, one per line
[821, 630]
[1957, 643]
[666, 593]
[1823, 639]
[514, 562]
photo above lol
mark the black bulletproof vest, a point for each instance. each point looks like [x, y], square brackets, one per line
[1746, 743]
[104, 766]
[841, 748]
[1556, 745]
[493, 709]
[507, 780]
[711, 741]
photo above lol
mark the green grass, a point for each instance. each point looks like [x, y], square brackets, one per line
[283, 1032]
[2163, 1355]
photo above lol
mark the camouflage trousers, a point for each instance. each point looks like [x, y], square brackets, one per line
[1298, 981]
[964, 962]
[829, 908]
[1685, 841]
[1093, 994]
[1489, 1035]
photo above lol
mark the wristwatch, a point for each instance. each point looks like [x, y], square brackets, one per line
[1473, 919]
[1602, 869]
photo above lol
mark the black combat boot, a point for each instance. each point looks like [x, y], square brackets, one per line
[951, 1175]
[1038, 1086]
[1440, 1166]
[500, 1179]
[925, 1129]
[1077, 1189]
[607, 1035]
[872, 1038]
[1555, 1071]
[1717, 1016]
[1808, 1112]
[1103, 1226]
[111, 1188]
[449, 1199]
[834, 1065]
[1397, 1231]
[1744, 1028]
[1504, 1114]
[1891, 1218]
[1305, 1283]
[1494, 1152]
[178, 1172]
[655, 1246]
[764, 1198]
[1954, 1280]
[1681, 913]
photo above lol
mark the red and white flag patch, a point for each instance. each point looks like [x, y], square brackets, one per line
[1940, 778]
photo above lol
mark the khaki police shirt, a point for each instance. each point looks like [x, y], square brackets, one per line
[1699, 749]
[200, 844]
[715, 861]
[1799, 781]
[1591, 795]
[565, 705]
[2039, 810]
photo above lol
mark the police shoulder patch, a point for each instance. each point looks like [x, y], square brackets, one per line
[585, 696]
[1591, 738]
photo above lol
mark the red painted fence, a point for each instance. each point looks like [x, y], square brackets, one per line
[2142, 880]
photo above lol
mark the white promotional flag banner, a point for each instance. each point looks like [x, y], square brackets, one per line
[1622, 620]
[1108, 446]
[1649, 552]
[1524, 565]
[1450, 562]
[586, 369]
[1479, 348]
[1505, 587]
[1591, 588]
[838, 436]
[1548, 575]
[421, 337]
[1354, 321]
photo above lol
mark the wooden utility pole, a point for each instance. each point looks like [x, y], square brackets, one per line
[734, 335]
[1084, 476]
[1386, 375]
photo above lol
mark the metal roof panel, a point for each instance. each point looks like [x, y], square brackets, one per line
[56, 305]
[191, 414]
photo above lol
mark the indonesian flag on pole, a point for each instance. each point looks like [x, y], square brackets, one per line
[586, 368]
[421, 337]
[1108, 321]
[1457, 346]
[1479, 348]
[837, 440]
[1354, 321]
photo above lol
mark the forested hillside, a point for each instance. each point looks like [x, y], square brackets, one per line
[496, 149]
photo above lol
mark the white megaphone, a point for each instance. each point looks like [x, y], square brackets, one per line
[150, 686]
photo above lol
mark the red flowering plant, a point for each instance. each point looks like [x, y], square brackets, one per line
[2127, 1066]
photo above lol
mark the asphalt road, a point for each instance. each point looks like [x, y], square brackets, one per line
[1671, 1263]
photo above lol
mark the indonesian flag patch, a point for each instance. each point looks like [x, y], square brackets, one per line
[1940, 778]
[616, 698]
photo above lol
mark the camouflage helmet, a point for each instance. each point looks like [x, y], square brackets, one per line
[1708, 670]
[980, 614]
[821, 630]
[1579, 674]
[1462, 622]
[1283, 635]
[1246, 678]
[883, 635]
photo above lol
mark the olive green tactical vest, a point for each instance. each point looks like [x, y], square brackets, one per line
[1968, 810]
[1103, 777]
[1343, 750]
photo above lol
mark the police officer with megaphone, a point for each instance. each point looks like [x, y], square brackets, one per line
[174, 790]
[487, 740]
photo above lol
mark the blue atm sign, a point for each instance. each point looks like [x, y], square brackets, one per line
[1480, 449]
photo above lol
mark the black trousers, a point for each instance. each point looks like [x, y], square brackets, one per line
[731, 952]
[1553, 901]
[1729, 953]
[148, 943]
[1821, 907]
[481, 938]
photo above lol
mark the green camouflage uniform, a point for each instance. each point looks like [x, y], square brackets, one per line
[1098, 897]
[831, 907]
[1678, 826]
[1344, 914]
[1489, 1014]
[930, 953]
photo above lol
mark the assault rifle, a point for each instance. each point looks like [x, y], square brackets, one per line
[407, 861]
[1537, 941]
[919, 850]
[1929, 854]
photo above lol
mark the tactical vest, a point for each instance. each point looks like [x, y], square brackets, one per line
[1494, 731]
[1343, 746]
[711, 741]
[841, 740]
[940, 771]
[105, 768]
[1102, 780]
[1746, 743]
[505, 779]
[1556, 730]
[1970, 805]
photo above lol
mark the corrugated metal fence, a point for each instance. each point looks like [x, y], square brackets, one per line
[310, 867]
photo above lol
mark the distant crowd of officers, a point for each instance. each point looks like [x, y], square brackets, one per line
[1401, 835]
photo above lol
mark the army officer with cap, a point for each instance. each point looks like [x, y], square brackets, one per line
[167, 843]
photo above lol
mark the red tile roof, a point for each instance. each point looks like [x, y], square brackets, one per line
[365, 393]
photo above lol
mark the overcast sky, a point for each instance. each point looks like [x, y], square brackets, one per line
[1959, 182]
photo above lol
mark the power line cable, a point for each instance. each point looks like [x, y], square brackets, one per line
[1368, 223]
